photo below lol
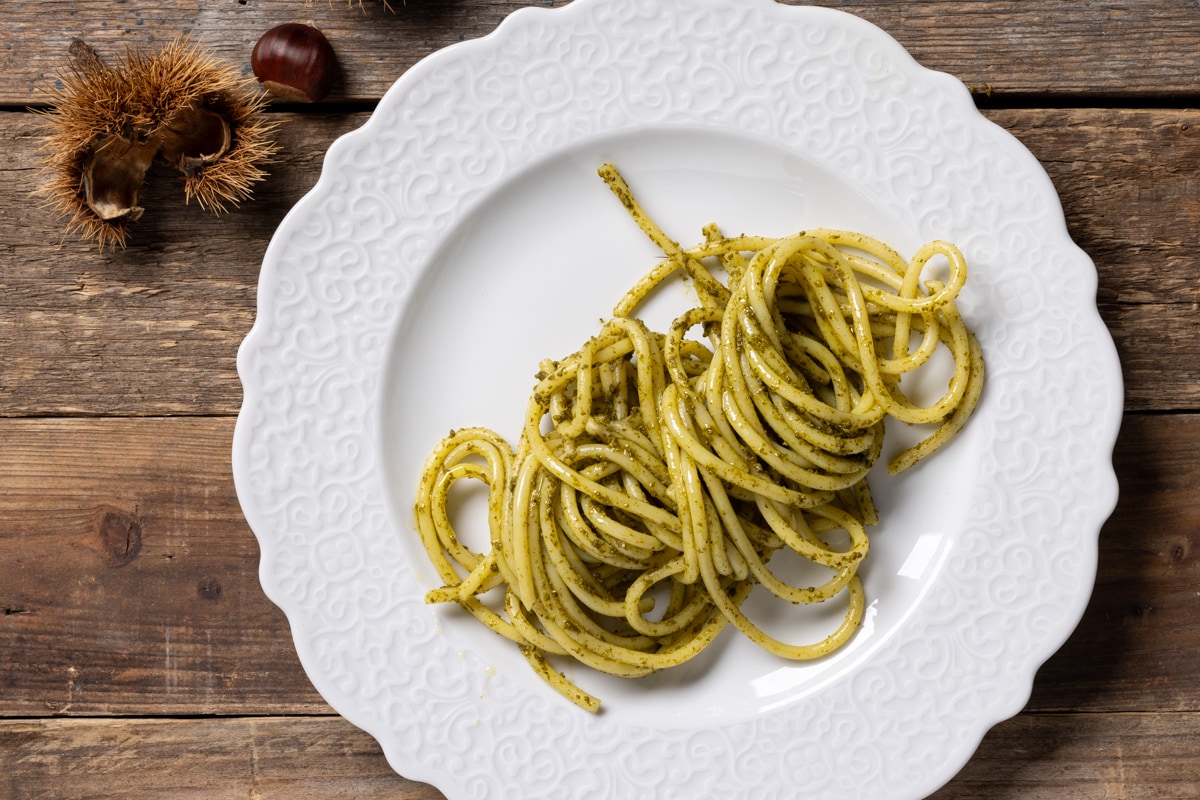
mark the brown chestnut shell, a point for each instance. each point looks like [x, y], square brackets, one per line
[294, 61]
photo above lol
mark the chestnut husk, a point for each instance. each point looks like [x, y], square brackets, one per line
[108, 124]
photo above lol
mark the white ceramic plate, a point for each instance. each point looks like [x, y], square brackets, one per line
[462, 235]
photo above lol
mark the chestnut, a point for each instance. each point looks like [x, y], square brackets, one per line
[295, 62]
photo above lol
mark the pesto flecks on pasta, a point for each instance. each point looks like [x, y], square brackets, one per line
[657, 473]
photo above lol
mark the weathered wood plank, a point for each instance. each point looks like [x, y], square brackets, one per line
[1125, 47]
[154, 329]
[1030, 757]
[1129, 180]
[374, 46]
[147, 330]
[1130, 187]
[1100, 756]
[129, 578]
[1138, 636]
[202, 759]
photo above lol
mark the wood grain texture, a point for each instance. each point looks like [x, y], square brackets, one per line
[1129, 180]
[151, 329]
[1126, 48]
[1134, 649]
[212, 759]
[129, 578]
[1083, 757]
[154, 329]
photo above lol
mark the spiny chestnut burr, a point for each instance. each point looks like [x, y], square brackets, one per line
[110, 123]
[295, 62]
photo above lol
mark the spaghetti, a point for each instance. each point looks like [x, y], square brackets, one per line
[657, 474]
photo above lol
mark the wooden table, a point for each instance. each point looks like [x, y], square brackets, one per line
[139, 657]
